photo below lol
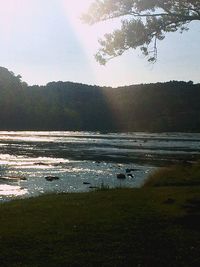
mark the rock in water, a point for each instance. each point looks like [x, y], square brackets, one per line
[121, 176]
[51, 178]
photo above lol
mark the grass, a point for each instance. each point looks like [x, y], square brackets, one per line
[147, 227]
[177, 175]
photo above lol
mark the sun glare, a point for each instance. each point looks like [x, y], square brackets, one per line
[74, 10]
[11, 190]
[88, 35]
[7, 18]
[27, 28]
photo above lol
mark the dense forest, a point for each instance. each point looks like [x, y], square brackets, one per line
[170, 106]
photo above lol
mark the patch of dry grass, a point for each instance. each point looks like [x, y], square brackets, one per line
[176, 175]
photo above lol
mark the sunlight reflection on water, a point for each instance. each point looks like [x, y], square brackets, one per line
[83, 159]
[12, 190]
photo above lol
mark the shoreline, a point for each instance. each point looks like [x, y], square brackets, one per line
[155, 225]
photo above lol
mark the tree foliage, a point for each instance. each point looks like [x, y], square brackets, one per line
[171, 106]
[143, 22]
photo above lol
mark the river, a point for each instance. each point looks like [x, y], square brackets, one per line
[83, 161]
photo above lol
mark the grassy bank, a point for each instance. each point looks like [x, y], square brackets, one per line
[122, 227]
[178, 175]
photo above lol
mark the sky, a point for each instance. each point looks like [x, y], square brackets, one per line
[45, 40]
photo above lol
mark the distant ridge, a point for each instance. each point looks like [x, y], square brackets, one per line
[161, 107]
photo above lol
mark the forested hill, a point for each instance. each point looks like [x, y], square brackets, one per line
[171, 106]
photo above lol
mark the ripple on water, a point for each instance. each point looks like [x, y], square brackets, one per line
[82, 160]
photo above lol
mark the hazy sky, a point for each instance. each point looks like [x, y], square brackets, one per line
[44, 40]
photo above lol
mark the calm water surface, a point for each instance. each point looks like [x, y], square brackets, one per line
[82, 160]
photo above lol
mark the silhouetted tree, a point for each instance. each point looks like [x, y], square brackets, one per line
[143, 23]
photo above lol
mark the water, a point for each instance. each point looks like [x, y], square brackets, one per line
[82, 160]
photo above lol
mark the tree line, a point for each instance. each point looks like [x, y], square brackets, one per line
[170, 106]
